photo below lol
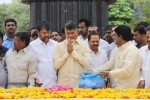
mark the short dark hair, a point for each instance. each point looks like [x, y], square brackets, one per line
[140, 29]
[10, 20]
[108, 27]
[95, 26]
[70, 25]
[34, 34]
[34, 27]
[147, 28]
[86, 21]
[93, 33]
[124, 31]
[1, 35]
[43, 24]
[143, 23]
[23, 37]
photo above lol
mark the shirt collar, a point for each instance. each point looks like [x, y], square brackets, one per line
[99, 51]
[76, 41]
[5, 37]
[125, 45]
[22, 50]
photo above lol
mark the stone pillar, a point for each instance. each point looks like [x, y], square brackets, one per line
[58, 12]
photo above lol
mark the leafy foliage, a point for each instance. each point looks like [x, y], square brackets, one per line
[18, 11]
[145, 4]
[120, 13]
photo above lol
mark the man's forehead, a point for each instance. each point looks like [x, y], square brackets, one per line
[93, 28]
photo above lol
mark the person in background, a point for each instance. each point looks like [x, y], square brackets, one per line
[143, 23]
[71, 57]
[43, 48]
[3, 49]
[98, 56]
[34, 36]
[125, 64]
[140, 36]
[55, 36]
[3, 75]
[103, 45]
[113, 45]
[33, 33]
[10, 27]
[145, 69]
[63, 34]
[20, 62]
[83, 25]
[107, 33]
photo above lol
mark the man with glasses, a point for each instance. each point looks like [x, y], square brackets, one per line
[10, 27]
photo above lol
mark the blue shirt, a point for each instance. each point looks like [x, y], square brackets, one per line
[8, 43]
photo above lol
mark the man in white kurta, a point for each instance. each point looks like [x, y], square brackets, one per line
[145, 69]
[43, 48]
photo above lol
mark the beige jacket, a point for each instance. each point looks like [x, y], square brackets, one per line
[70, 66]
[126, 64]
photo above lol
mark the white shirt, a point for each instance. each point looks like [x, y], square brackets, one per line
[111, 47]
[102, 45]
[97, 59]
[21, 67]
[45, 67]
[145, 54]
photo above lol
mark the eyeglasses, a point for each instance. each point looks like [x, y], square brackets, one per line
[107, 32]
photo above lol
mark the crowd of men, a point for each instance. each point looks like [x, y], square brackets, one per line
[43, 57]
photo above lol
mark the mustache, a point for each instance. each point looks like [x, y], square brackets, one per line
[11, 29]
[96, 45]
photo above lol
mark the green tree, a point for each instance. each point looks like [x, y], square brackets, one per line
[144, 4]
[18, 11]
[119, 13]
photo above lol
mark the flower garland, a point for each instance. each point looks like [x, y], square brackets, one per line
[38, 93]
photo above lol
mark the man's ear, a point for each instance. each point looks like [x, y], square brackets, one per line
[143, 35]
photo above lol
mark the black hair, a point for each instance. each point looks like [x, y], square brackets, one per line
[86, 21]
[108, 27]
[143, 23]
[124, 31]
[43, 24]
[147, 28]
[23, 37]
[34, 34]
[140, 29]
[93, 33]
[10, 20]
